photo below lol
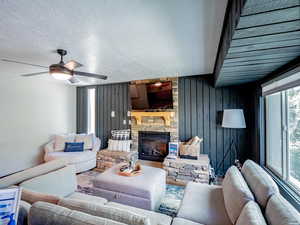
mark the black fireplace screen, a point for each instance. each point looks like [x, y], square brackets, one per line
[153, 145]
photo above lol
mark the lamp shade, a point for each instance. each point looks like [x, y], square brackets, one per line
[233, 118]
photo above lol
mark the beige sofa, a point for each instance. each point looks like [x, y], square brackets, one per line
[247, 198]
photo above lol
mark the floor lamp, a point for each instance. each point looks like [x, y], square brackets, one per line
[233, 119]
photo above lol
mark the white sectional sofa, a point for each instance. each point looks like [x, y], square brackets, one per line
[249, 197]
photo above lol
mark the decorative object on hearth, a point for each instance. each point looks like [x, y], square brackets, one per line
[233, 119]
[173, 150]
[191, 149]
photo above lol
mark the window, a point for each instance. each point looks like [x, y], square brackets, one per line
[91, 111]
[283, 135]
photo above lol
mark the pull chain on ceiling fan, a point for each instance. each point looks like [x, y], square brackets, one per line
[61, 70]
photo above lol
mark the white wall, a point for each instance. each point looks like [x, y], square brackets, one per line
[31, 111]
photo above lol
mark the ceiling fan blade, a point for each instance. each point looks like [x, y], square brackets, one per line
[24, 63]
[74, 80]
[34, 74]
[93, 75]
[71, 65]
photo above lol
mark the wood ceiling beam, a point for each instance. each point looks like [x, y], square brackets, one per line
[258, 37]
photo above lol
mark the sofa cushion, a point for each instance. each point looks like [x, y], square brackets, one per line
[71, 157]
[105, 211]
[180, 221]
[260, 182]
[43, 213]
[33, 196]
[86, 197]
[251, 215]
[155, 218]
[61, 182]
[119, 145]
[236, 193]
[24, 209]
[280, 212]
[203, 203]
[32, 172]
[61, 140]
[87, 140]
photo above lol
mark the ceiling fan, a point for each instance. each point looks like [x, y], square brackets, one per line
[61, 70]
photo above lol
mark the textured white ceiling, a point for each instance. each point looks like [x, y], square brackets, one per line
[126, 40]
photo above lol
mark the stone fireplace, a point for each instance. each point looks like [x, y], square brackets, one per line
[156, 124]
[153, 145]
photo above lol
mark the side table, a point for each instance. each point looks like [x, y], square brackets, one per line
[181, 171]
[107, 158]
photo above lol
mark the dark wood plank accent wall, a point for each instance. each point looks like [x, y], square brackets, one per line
[200, 113]
[111, 97]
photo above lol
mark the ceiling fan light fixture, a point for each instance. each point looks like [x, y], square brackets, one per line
[61, 76]
[59, 72]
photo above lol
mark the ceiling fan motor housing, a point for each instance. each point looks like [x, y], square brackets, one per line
[58, 68]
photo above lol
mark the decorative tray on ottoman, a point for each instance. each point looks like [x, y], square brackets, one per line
[127, 172]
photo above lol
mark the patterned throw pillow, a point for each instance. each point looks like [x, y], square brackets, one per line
[74, 147]
[119, 145]
[120, 134]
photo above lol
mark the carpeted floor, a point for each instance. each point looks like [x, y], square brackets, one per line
[169, 206]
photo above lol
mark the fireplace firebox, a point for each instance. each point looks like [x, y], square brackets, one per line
[153, 145]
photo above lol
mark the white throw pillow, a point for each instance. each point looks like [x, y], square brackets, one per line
[60, 142]
[87, 139]
[119, 145]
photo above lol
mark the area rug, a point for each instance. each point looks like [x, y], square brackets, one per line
[169, 205]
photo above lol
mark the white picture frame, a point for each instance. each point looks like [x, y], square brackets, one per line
[9, 205]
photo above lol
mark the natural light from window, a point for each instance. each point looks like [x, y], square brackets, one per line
[91, 110]
[283, 135]
[293, 99]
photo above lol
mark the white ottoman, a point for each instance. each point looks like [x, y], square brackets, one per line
[143, 191]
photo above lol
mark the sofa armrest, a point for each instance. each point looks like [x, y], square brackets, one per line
[97, 145]
[49, 147]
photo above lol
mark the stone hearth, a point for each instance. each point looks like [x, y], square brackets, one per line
[157, 124]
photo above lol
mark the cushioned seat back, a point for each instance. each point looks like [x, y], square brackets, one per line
[32, 172]
[280, 212]
[61, 182]
[236, 193]
[42, 213]
[105, 211]
[251, 215]
[260, 182]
